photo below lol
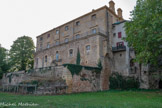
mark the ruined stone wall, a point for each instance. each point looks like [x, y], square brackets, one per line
[13, 78]
[57, 80]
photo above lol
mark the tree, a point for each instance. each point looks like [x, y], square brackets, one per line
[144, 31]
[4, 65]
[22, 54]
[78, 57]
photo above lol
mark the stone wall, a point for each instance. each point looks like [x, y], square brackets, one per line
[90, 58]
[59, 80]
[86, 81]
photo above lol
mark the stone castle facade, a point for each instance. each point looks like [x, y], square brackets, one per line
[90, 33]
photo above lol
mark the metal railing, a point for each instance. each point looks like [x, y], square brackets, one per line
[119, 48]
[83, 35]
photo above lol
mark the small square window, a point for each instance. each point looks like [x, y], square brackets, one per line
[57, 42]
[77, 36]
[66, 40]
[93, 16]
[66, 28]
[114, 34]
[57, 31]
[41, 38]
[77, 23]
[94, 31]
[48, 35]
[88, 48]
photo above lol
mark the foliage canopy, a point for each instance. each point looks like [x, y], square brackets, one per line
[22, 54]
[4, 65]
[144, 31]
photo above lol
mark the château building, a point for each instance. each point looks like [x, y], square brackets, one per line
[90, 34]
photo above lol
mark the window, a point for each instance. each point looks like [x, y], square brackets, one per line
[45, 58]
[66, 40]
[57, 56]
[88, 48]
[77, 23]
[93, 16]
[48, 45]
[41, 45]
[57, 42]
[66, 28]
[77, 36]
[114, 34]
[119, 44]
[71, 52]
[57, 31]
[94, 31]
[37, 61]
[119, 35]
[48, 35]
[41, 38]
[43, 62]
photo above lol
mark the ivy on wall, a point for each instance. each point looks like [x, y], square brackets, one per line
[76, 69]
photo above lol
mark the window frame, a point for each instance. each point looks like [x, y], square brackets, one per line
[93, 17]
[66, 28]
[67, 40]
[48, 44]
[71, 55]
[57, 32]
[45, 58]
[41, 38]
[94, 29]
[57, 55]
[57, 43]
[48, 35]
[77, 23]
[88, 49]
[77, 36]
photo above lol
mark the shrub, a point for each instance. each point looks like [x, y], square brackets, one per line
[118, 81]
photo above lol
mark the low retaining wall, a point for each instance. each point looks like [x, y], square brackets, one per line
[57, 80]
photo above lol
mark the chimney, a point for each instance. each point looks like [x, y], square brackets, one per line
[120, 13]
[112, 5]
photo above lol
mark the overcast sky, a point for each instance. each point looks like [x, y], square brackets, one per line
[33, 17]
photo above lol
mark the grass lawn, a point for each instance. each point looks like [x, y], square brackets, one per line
[106, 99]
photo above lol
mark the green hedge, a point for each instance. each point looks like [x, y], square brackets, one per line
[118, 81]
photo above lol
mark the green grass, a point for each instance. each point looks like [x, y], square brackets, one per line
[107, 99]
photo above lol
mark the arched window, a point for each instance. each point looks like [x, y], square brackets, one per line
[71, 52]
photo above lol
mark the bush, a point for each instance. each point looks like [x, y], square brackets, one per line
[118, 81]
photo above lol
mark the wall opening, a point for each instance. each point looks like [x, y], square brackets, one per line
[160, 84]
